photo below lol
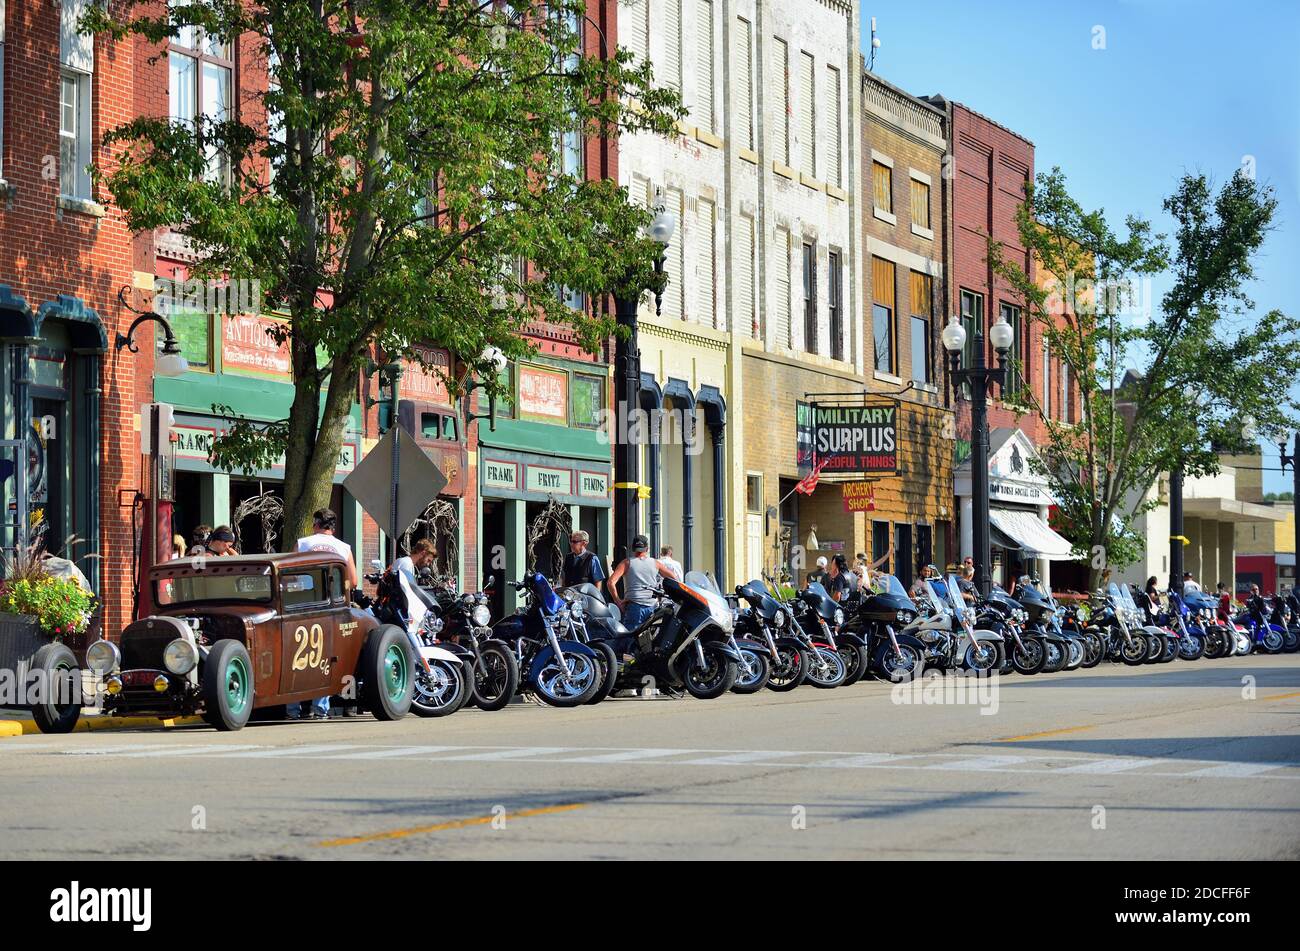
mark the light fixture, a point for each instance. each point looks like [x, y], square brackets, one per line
[1249, 429]
[170, 361]
[663, 226]
[493, 357]
[954, 335]
[1001, 334]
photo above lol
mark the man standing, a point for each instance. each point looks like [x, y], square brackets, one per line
[839, 582]
[326, 524]
[1189, 583]
[580, 565]
[819, 576]
[642, 574]
[666, 558]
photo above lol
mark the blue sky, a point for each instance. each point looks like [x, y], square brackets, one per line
[1180, 86]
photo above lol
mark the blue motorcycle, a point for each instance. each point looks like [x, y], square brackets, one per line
[555, 664]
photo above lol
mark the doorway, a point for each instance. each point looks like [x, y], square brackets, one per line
[492, 547]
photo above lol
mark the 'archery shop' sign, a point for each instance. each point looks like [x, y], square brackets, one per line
[856, 440]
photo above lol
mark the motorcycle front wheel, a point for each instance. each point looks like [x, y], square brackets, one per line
[568, 680]
[1291, 642]
[754, 673]
[1057, 656]
[788, 672]
[709, 680]
[899, 668]
[1029, 656]
[496, 676]
[1094, 649]
[1191, 646]
[439, 691]
[983, 656]
[827, 670]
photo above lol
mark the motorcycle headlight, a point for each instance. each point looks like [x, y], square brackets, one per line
[180, 656]
[481, 615]
[839, 617]
[103, 656]
[778, 620]
[903, 617]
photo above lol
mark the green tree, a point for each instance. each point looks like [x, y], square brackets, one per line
[415, 152]
[1158, 391]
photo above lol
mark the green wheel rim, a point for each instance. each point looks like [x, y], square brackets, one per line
[238, 685]
[396, 673]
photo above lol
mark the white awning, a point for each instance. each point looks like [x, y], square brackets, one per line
[1035, 535]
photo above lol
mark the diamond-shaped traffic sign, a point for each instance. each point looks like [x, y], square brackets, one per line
[418, 480]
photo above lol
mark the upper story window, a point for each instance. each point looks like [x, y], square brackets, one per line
[835, 298]
[882, 315]
[920, 204]
[76, 71]
[1018, 375]
[201, 71]
[972, 318]
[810, 296]
[744, 83]
[882, 178]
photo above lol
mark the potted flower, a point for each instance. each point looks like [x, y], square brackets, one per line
[37, 607]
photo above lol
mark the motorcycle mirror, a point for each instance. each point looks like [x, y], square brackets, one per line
[489, 583]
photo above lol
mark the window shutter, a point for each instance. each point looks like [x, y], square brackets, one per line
[920, 204]
[76, 50]
[781, 102]
[883, 185]
[834, 130]
[673, 44]
[704, 67]
[745, 277]
[706, 271]
[781, 318]
[744, 66]
[807, 117]
[674, 302]
[638, 29]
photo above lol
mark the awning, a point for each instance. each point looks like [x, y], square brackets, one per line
[1034, 535]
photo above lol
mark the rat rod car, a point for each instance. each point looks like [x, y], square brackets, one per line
[235, 634]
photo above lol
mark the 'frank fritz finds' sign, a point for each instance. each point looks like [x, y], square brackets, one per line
[856, 440]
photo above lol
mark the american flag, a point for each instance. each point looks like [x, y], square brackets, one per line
[808, 483]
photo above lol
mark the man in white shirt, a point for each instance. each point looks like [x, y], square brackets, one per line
[326, 523]
[668, 561]
[1189, 584]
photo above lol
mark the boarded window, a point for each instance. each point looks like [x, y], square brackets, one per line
[834, 127]
[780, 96]
[781, 302]
[807, 116]
[704, 65]
[882, 177]
[744, 66]
[920, 204]
[882, 314]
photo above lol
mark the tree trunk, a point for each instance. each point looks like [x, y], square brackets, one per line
[318, 453]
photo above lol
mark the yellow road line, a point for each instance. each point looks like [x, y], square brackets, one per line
[1034, 736]
[1284, 696]
[455, 824]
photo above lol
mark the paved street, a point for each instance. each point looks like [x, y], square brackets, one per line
[1173, 760]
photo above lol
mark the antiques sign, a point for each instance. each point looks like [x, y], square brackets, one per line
[856, 440]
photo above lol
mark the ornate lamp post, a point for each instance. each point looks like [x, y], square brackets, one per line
[627, 386]
[981, 379]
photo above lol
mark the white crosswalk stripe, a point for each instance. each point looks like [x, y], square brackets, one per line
[1039, 765]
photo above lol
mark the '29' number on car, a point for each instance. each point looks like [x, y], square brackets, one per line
[310, 649]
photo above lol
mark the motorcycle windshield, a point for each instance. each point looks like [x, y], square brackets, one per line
[938, 593]
[954, 596]
[705, 586]
[547, 599]
[888, 584]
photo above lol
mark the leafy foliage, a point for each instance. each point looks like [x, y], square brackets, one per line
[1159, 390]
[407, 155]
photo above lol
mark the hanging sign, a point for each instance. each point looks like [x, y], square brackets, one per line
[856, 440]
[858, 496]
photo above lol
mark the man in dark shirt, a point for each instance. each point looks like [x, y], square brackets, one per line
[838, 583]
[581, 566]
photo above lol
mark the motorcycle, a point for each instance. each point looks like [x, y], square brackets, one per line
[822, 620]
[1116, 618]
[949, 634]
[765, 623]
[467, 619]
[686, 643]
[1191, 641]
[558, 668]
[442, 676]
[880, 618]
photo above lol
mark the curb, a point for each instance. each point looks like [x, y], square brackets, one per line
[98, 725]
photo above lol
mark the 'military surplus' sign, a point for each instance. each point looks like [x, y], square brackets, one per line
[856, 440]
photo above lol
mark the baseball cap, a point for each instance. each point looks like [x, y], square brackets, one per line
[821, 562]
[640, 543]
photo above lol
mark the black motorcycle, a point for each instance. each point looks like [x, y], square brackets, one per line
[467, 623]
[879, 617]
[768, 623]
[822, 619]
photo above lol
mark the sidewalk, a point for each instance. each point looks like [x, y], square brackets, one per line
[20, 723]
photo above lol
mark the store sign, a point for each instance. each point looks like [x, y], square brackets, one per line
[856, 440]
[803, 436]
[424, 380]
[500, 475]
[858, 496]
[248, 346]
[543, 394]
[550, 481]
[1016, 491]
[195, 442]
[592, 484]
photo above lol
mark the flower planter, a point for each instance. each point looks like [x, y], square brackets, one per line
[20, 638]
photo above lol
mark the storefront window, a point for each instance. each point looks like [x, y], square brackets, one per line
[193, 330]
[588, 400]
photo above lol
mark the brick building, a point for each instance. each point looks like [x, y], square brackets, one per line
[64, 255]
[905, 141]
[989, 168]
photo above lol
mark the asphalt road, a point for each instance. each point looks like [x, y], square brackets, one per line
[1188, 761]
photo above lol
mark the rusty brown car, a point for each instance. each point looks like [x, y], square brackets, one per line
[232, 635]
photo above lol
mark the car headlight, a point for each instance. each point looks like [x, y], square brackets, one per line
[482, 615]
[180, 656]
[103, 656]
[778, 619]
[839, 617]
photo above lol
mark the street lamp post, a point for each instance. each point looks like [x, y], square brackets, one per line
[627, 376]
[981, 379]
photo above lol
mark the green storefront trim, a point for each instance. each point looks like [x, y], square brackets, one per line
[546, 439]
[260, 399]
